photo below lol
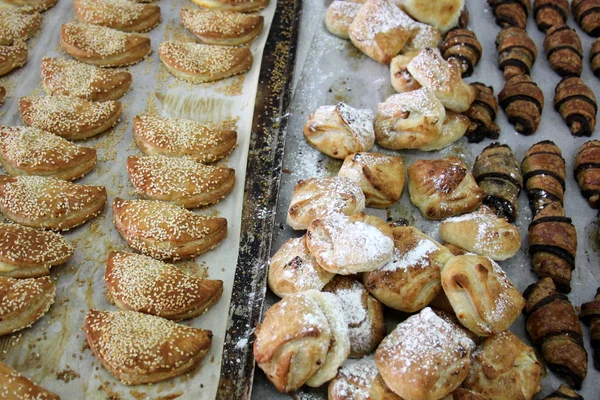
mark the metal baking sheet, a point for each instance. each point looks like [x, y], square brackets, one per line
[53, 352]
[330, 69]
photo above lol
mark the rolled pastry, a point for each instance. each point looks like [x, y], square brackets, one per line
[225, 28]
[359, 380]
[590, 315]
[339, 16]
[442, 14]
[586, 170]
[17, 26]
[123, 15]
[15, 386]
[12, 57]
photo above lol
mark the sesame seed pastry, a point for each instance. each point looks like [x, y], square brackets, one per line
[24, 301]
[225, 28]
[12, 57]
[15, 25]
[61, 76]
[233, 5]
[29, 253]
[166, 231]
[102, 46]
[199, 63]
[69, 117]
[182, 181]
[174, 137]
[123, 15]
[28, 6]
[14, 386]
[141, 283]
[49, 203]
[32, 151]
[138, 348]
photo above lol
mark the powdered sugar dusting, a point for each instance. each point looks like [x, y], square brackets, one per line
[355, 379]
[416, 257]
[360, 122]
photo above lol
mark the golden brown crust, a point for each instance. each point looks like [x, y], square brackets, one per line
[442, 14]
[123, 15]
[14, 386]
[586, 171]
[30, 6]
[12, 57]
[544, 175]
[2, 94]
[523, 102]
[339, 16]
[402, 80]
[16, 26]
[233, 5]
[358, 379]
[24, 301]
[138, 348]
[576, 103]
[225, 28]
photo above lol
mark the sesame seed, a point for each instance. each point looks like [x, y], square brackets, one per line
[200, 58]
[18, 296]
[227, 23]
[98, 40]
[24, 245]
[16, 25]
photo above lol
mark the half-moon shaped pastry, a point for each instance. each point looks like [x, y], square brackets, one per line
[140, 283]
[123, 15]
[15, 386]
[225, 28]
[32, 151]
[442, 14]
[12, 57]
[339, 16]
[49, 203]
[29, 253]
[357, 379]
[199, 63]
[30, 6]
[173, 137]
[182, 181]
[72, 78]
[165, 231]
[340, 130]
[17, 26]
[483, 298]
[102, 46]
[138, 348]
[233, 5]
[24, 301]
[69, 117]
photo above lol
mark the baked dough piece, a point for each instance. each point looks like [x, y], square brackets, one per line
[402, 80]
[359, 380]
[233, 5]
[424, 35]
[102, 46]
[14, 386]
[182, 181]
[293, 269]
[29, 253]
[138, 348]
[12, 57]
[69, 117]
[199, 63]
[24, 301]
[166, 231]
[32, 151]
[465, 394]
[49, 203]
[348, 245]
[484, 233]
[123, 15]
[339, 16]
[174, 137]
[442, 14]
[140, 283]
[72, 78]
[381, 177]
[483, 298]
[425, 357]
[412, 279]
[17, 26]
[2, 94]
[29, 6]
[443, 78]
[225, 28]
[503, 367]
[340, 130]
[320, 197]
[443, 188]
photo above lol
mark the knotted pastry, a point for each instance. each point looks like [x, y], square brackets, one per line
[553, 326]
[443, 188]
[503, 367]
[226, 28]
[233, 5]
[563, 393]
[483, 298]
[140, 283]
[174, 137]
[511, 12]
[32, 151]
[442, 14]
[462, 44]
[402, 80]
[590, 315]
[182, 181]
[340, 130]
[595, 57]
[123, 15]
[14, 386]
[166, 231]
[49, 203]
[498, 173]
[359, 380]
[17, 26]
[29, 6]
[348, 245]
[293, 269]
[523, 102]
[516, 52]
[443, 78]
[482, 115]
[425, 357]
[549, 13]
[12, 57]
[320, 197]
[69, 117]
[544, 174]
[381, 177]
[29, 253]
[576, 103]
[586, 171]
[564, 50]
[138, 348]
[24, 301]
[587, 15]
[363, 313]
[411, 280]
[71, 78]
[102, 46]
